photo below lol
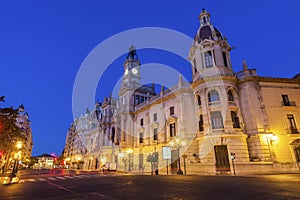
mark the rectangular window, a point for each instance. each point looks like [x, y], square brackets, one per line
[137, 99]
[201, 128]
[155, 134]
[155, 117]
[142, 122]
[225, 59]
[208, 59]
[172, 110]
[292, 124]
[141, 137]
[235, 120]
[285, 100]
[216, 120]
[172, 130]
[142, 99]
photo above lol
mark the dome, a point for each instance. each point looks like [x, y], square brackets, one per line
[207, 32]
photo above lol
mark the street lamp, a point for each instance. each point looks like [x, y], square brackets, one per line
[178, 143]
[16, 161]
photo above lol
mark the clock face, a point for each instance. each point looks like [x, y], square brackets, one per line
[134, 71]
[126, 71]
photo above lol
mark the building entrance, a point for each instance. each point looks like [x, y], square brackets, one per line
[222, 159]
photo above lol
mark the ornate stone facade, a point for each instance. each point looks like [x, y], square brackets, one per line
[222, 122]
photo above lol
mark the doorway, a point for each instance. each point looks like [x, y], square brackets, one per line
[222, 159]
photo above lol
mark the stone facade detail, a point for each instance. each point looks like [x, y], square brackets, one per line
[220, 115]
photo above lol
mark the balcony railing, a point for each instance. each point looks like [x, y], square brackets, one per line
[288, 103]
[292, 131]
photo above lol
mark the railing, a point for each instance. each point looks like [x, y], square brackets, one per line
[288, 103]
[214, 103]
[292, 131]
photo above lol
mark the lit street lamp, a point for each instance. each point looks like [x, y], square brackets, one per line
[178, 143]
[17, 157]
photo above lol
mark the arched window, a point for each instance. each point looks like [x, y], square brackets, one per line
[213, 96]
[208, 59]
[230, 96]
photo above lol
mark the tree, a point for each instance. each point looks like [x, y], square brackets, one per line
[9, 131]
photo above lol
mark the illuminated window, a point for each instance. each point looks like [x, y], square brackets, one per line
[216, 120]
[172, 130]
[208, 59]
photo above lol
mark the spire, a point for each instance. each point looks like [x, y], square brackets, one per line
[204, 17]
[245, 66]
[132, 54]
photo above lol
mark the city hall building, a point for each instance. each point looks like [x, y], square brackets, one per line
[221, 122]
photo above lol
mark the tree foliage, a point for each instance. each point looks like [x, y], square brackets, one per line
[9, 131]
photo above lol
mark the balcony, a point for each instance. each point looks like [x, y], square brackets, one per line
[292, 131]
[288, 103]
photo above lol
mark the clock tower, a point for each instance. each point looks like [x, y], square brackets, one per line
[131, 78]
[132, 67]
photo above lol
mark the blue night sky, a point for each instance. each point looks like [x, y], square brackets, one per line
[43, 43]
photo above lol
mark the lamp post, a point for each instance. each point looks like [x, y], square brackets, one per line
[16, 161]
[178, 143]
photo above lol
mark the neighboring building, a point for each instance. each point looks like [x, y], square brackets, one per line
[45, 161]
[218, 116]
[24, 123]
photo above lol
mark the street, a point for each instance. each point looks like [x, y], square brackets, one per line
[95, 185]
